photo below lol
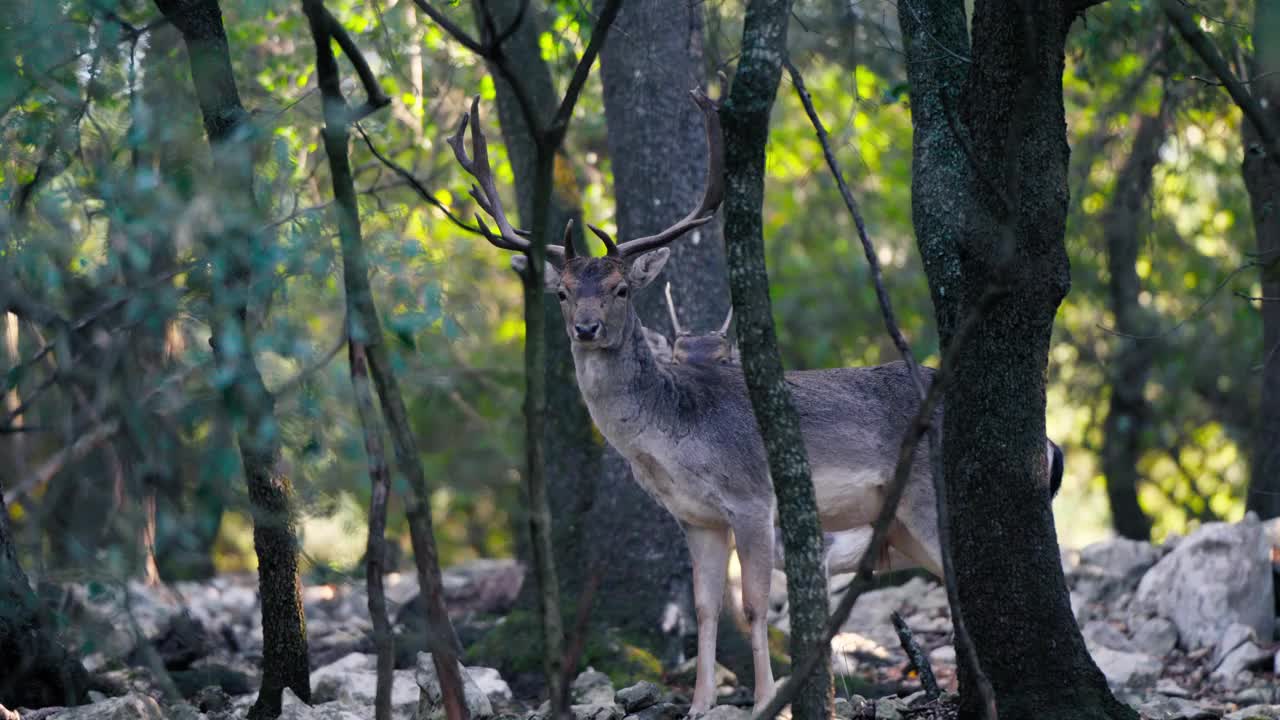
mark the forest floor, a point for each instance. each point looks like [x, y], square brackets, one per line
[1183, 630]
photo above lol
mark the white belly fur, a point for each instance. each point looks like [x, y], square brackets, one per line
[848, 498]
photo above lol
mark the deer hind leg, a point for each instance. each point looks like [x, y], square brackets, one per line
[846, 548]
[755, 542]
[709, 550]
[914, 533]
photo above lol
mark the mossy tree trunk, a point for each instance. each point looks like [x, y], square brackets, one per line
[745, 117]
[245, 397]
[989, 204]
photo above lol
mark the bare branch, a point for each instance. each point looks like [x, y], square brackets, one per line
[452, 28]
[414, 183]
[295, 382]
[1192, 315]
[917, 657]
[1256, 298]
[873, 260]
[375, 99]
[1217, 83]
[1208, 52]
[67, 455]
[560, 122]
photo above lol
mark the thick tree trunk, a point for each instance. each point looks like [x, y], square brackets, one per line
[573, 455]
[989, 211]
[1129, 413]
[284, 662]
[603, 522]
[38, 671]
[657, 147]
[746, 129]
[1262, 178]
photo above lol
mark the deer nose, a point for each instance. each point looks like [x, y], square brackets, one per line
[587, 331]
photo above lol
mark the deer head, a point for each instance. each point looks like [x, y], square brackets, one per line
[714, 347]
[594, 292]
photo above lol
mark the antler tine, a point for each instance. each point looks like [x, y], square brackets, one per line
[484, 190]
[566, 251]
[609, 247]
[712, 196]
[671, 308]
[724, 329]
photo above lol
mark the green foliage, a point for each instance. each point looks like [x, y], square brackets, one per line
[109, 216]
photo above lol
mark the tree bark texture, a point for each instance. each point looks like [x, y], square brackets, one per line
[245, 397]
[376, 547]
[1128, 417]
[1262, 179]
[989, 203]
[546, 214]
[745, 118]
[573, 454]
[657, 147]
[38, 671]
[364, 331]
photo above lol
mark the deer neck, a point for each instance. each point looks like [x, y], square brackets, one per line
[617, 384]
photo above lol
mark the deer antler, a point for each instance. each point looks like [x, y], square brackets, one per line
[609, 247]
[485, 191]
[712, 196]
[671, 308]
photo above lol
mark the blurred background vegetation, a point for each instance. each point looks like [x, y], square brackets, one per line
[104, 223]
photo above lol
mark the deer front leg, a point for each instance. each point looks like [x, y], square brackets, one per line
[756, 554]
[709, 550]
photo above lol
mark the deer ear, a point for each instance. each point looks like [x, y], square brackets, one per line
[645, 268]
[550, 275]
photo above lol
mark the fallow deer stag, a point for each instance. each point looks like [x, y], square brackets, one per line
[842, 551]
[688, 429]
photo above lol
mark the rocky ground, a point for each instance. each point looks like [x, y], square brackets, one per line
[1184, 630]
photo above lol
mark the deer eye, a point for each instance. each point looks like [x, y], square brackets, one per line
[562, 295]
[621, 291]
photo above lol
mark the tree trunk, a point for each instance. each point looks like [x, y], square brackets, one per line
[573, 455]
[1129, 414]
[604, 522]
[989, 211]
[364, 338]
[284, 662]
[38, 671]
[1262, 179]
[746, 129]
[656, 148]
